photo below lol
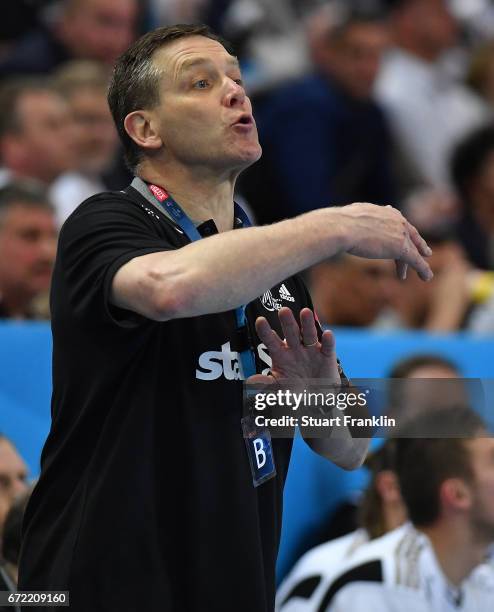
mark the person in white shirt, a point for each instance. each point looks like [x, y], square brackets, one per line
[381, 511]
[381, 507]
[437, 561]
[428, 109]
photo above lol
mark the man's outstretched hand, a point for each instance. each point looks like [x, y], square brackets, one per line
[382, 232]
[300, 355]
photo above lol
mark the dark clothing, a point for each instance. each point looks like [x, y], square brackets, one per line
[320, 148]
[478, 245]
[145, 499]
[37, 52]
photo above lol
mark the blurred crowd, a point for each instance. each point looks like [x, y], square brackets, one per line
[386, 101]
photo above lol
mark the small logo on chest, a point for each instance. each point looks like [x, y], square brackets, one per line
[270, 302]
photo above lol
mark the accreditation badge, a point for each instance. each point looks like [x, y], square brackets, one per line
[259, 450]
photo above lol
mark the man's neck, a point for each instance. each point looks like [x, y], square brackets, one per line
[202, 194]
[457, 550]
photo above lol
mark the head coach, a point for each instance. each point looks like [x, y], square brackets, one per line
[163, 301]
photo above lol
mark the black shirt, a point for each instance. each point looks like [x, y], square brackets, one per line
[145, 499]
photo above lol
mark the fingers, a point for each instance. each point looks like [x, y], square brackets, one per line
[268, 335]
[401, 269]
[422, 246]
[308, 327]
[328, 344]
[412, 257]
[290, 327]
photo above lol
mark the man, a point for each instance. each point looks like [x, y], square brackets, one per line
[11, 537]
[436, 561]
[428, 110]
[36, 132]
[381, 507]
[323, 134]
[472, 170]
[28, 240]
[80, 29]
[84, 85]
[13, 475]
[145, 475]
[354, 292]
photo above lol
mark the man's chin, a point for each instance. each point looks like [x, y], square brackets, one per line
[250, 155]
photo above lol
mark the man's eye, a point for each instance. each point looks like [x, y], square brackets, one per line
[202, 84]
[239, 82]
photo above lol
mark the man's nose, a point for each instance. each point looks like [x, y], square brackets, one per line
[235, 94]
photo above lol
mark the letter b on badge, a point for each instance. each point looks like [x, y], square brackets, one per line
[259, 452]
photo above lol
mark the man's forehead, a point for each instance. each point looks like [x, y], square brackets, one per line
[191, 50]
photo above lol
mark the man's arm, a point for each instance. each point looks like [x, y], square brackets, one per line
[223, 271]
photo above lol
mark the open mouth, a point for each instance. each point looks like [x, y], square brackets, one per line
[244, 120]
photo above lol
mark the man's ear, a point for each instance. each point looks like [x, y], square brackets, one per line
[456, 494]
[140, 126]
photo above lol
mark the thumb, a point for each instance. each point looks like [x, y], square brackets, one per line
[260, 379]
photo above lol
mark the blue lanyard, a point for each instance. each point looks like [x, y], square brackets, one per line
[178, 215]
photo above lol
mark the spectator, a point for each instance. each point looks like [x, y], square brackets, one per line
[354, 292]
[449, 301]
[27, 250]
[13, 475]
[83, 29]
[268, 37]
[36, 132]
[432, 562]
[11, 540]
[349, 291]
[424, 365]
[429, 111]
[472, 169]
[381, 507]
[381, 510]
[84, 84]
[323, 135]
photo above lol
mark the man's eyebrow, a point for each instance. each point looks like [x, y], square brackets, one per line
[188, 64]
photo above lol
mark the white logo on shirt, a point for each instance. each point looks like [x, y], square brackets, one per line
[270, 302]
[285, 294]
[214, 364]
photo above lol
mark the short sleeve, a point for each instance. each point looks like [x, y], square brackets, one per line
[95, 241]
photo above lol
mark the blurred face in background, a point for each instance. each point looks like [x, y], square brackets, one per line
[99, 29]
[28, 240]
[96, 137]
[426, 26]
[353, 57]
[43, 147]
[353, 291]
[13, 475]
